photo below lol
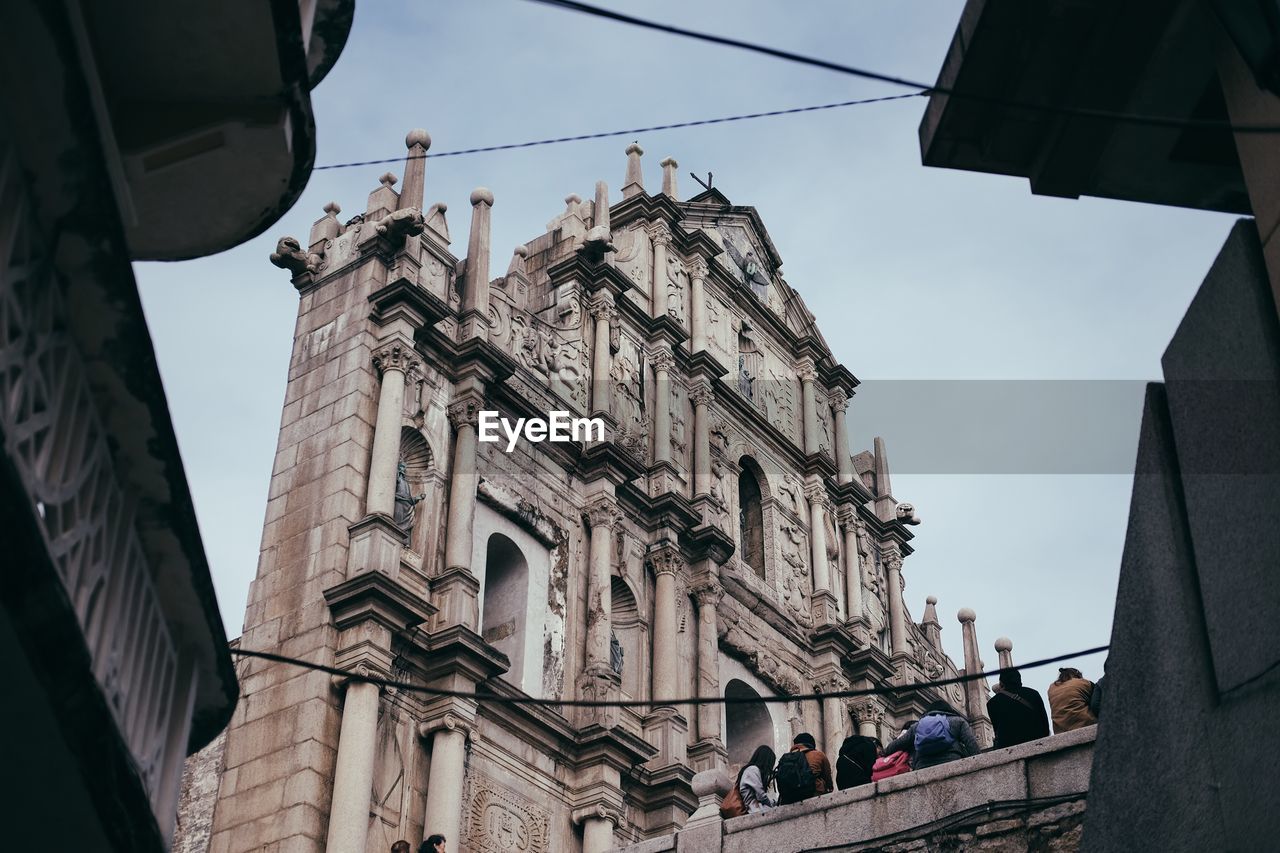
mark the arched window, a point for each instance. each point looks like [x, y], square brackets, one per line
[628, 632]
[750, 517]
[747, 724]
[506, 595]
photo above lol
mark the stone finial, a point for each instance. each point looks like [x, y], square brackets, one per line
[482, 195]
[669, 166]
[326, 227]
[599, 239]
[415, 169]
[1004, 644]
[475, 294]
[518, 261]
[930, 611]
[388, 180]
[1004, 649]
[436, 221]
[881, 468]
[333, 209]
[966, 614]
[634, 183]
[384, 199]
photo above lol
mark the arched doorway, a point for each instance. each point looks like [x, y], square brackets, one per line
[506, 594]
[747, 724]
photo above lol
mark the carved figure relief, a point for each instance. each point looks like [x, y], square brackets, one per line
[791, 492]
[553, 351]
[779, 402]
[676, 278]
[824, 422]
[795, 575]
[628, 405]
[749, 359]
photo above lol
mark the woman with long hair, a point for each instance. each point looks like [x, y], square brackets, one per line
[1069, 701]
[754, 779]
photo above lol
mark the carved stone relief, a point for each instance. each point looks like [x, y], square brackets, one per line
[794, 574]
[499, 820]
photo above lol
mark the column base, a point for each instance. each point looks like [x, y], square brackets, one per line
[599, 683]
[457, 596]
[376, 542]
[826, 609]
[708, 754]
[668, 730]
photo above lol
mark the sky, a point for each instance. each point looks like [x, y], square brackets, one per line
[924, 281]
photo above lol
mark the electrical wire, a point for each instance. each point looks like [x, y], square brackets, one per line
[629, 132]
[643, 703]
[865, 74]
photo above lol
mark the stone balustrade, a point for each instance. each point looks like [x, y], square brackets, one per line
[1022, 794]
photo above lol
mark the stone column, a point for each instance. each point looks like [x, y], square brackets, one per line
[669, 166]
[597, 831]
[415, 169]
[1004, 648]
[662, 362]
[602, 314]
[353, 776]
[660, 234]
[701, 395]
[870, 715]
[823, 600]
[808, 373]
[974, 689]
[392, 360]
[833, 716]
[461, 608]
[897, 613]
[475, 292]
[697, 305]
[666, 563]
[445, 782]
[854, 607]
[601, 515]
[844, 462]
[708, 595]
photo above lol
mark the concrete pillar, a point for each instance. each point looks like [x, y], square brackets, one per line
[353, 776]
[844, 462]
[660, 234]
[808, 374]
[897, 613]
[601, 516]
[444, 785]
[662, 361]
[666, 563]
[669, 166]
[1004, 648]
[392, 360]
[415, 169]
[701, 395]
[475, 292]
[697, 305]
[708, 596]
[854, 606]
[602, 314]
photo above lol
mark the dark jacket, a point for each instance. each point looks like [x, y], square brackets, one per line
[965, 744]
[1018, 715]
[853, 764]
[821, 769]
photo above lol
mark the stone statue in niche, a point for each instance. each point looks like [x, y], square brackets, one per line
[748, 361]
[616, 653]
[406, 501]
[675, 293]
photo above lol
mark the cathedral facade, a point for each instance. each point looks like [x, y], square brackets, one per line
[719, 539]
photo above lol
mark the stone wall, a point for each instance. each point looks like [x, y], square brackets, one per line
[1023, 798]
[198, 795]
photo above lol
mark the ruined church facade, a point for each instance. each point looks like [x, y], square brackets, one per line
[721, 540]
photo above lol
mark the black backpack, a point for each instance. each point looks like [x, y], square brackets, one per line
[795, 778]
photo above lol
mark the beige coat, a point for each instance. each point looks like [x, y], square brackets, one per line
[1069, 705]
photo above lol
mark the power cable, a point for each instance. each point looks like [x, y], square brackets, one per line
[610, 133]
[643, 703]
[1076, 112]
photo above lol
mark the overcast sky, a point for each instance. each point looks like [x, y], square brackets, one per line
[913, 273]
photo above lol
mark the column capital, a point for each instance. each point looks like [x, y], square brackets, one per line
[708, 592]
[697, 267]
[357, 675]
[815, 492]
[830, 683]
[662, 359]
[892, 561]
[602, 513]
[395, 354]
[666, 560]
[602, 306]
[599, 811]
[865, 709]
[701, 392]
[451, 722]
[660, 233]
[847, 516]
[465, 411]
[838, 399]
[806, 369]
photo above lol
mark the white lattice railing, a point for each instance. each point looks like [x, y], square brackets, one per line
[54, 437]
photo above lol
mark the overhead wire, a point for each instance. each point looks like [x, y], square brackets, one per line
[496, 698]
[925, 88]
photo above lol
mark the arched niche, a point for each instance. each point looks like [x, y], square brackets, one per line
[506, 593]
[418, 461]
[629, 630]
[747, 724]
[751, 539]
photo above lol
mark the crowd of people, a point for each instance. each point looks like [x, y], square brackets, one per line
[941, 735]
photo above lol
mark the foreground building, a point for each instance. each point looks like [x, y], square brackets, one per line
[124, 130]
[719, 538]
[1195, 647]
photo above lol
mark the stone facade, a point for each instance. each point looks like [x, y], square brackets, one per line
[720, 539]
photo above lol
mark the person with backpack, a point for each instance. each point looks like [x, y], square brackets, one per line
[941, 736]
[754, 779]
[1017, 713]
[803, 772]
[853, 764]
